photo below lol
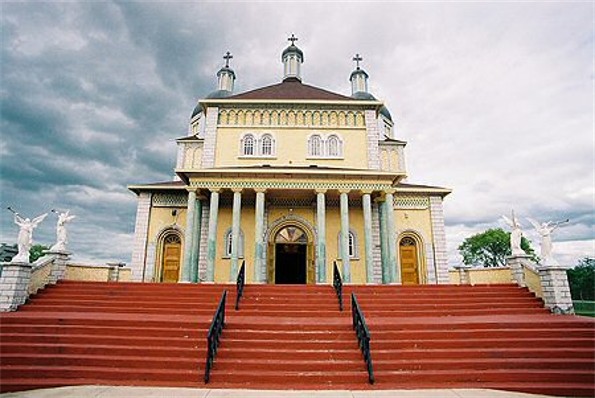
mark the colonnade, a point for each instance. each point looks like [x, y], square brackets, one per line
[387, 233]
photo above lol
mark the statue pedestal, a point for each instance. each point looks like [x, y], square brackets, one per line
[515, 262]
[58, 266]
[14, 285]
[556, 290]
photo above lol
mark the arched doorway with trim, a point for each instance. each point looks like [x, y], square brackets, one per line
[410, 260]
[170, 256]
[291, 254]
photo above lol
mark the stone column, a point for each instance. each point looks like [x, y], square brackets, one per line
[235, 233]
[212, 238]
[556, 291]
[189, 237]
[58, 269]
[515, 263]
[391, 239]
[344, 203]
[195, 253]
[321, 237]
[259, 244]
[14, 285]
[463, 270]
[367, 207]
[383, 243]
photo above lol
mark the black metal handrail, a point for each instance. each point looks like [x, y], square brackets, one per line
[240, 282]
[214, 335]
[363, 335]
[338, 285]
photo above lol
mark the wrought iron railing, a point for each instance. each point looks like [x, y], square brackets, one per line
[240, 282]
[363, 335]
[338, 285]
[214, 335]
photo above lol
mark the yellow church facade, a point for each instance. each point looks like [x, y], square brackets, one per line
[289, 179]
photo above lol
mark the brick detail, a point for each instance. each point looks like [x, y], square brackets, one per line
[141, 230]
[58, 269]
[373, 135]
[14, 285]
[556, 291]
[208, 154]
[376, 255]
[439, 235]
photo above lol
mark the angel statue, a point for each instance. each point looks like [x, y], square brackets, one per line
[545, 230]
[61, 235]
[25, 237]
[516, 234]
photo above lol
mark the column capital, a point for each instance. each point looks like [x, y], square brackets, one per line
[192, 189]
[320, 190]
[390, 191]
[260, 190]
[366, 191]
[344, 190]
[215, 190]
[237, 190]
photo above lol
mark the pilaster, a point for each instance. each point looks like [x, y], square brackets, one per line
[367, 209]
[373, 136]
[210, 143]
[439, 235]
[321, 237]
[235, 233]
[259, 244]
[391, 238]
[141, 231]
[189, 237]
[212, 238]
[344, 207]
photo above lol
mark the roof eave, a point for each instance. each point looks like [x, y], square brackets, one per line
[225, 101]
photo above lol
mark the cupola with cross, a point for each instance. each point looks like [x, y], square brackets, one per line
[292, 58]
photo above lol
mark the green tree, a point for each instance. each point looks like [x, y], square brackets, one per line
[36, 252]
[582, 280]
[490, 248]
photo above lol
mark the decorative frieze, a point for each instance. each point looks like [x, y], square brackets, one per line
[170, 199]
[311, 185]
[411, 202]
[291, 117]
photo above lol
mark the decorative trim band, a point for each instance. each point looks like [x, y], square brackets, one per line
[287, 185]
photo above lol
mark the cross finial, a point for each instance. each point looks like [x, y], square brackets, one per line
[227, 57]
[292, 39]
[357, 58]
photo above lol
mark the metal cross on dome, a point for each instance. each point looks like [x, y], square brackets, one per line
[227, 57]
[357, 58]
[292, 39]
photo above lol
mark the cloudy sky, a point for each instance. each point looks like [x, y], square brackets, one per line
[494, 98]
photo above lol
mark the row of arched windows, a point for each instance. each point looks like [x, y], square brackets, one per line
[319, 146]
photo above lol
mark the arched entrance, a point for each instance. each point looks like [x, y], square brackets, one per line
[170, 258]
[290, 255]
[409, 261]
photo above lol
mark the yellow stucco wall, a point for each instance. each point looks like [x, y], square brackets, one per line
[483, 276]
[75, 272]
[533, 281]
[291, 147]
[39, 277]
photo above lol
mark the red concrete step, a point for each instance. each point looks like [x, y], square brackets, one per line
[282, 353]
[479, 343]
[488, 352]
[289, 364]
[101, 349]
[299, 344]
[100, 330]
[122, 340]
[424, 363]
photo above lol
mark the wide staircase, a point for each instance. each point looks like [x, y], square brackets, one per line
[295, 337]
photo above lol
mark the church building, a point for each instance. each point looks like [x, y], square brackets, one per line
[290, 178]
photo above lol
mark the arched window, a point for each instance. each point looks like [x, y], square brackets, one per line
[315, 146]
[248, 145]
[228, 239]
[266, 145]
[334, 146]
[353, 248]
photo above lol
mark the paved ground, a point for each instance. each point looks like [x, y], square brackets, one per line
[150, 392]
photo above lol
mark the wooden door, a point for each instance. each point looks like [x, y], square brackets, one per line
[172, 249]
[409, 266]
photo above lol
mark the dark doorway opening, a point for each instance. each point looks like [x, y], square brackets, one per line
[290, 263]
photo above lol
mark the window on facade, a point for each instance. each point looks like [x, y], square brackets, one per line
[248, 145]
[228, 240]
[267, 145]
[315, 147]
[334, 149]
[351, 248]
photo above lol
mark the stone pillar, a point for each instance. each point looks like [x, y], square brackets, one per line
[463, 270]
[14, 285]
[195, 251]
[391, 239]
[321, 237]
[344, 203]
[515, 263]
[114, 271]
[556, 291]
[58, 269]
[212, 238]
[383, 243]
[235, 233]
[141, 231]
[189, 237]
[259, 244]
[367, 207]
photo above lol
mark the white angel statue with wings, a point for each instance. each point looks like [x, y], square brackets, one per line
[545, 230]
[25, 237]
[516, 234]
